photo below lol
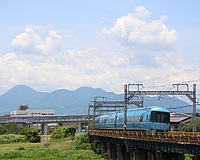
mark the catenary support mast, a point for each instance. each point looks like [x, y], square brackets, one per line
[129, 94]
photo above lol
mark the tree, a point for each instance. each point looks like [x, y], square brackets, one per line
[11, 128]
[32, 134]
[63, 131]
[189, 126]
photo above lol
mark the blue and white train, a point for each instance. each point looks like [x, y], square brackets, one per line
[151, 119]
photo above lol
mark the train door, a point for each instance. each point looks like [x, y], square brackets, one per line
[115, 121]
[145, 119]
[155, 122]
[158, 121]
[133, 125]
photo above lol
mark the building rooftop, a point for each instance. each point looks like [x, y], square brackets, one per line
[178, 117]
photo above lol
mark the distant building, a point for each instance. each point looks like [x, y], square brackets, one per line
[177, 118]
[24, 111]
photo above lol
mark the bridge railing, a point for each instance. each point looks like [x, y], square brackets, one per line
[172, 137]
[47, 118]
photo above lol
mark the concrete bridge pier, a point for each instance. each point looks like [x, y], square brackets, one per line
[79, 124]
[176, 156]
[117, 152]
[151, 155]
[169, 156]
[140, 154]
[44, 128]
[196, 157]
[122, 153]
[111, 151]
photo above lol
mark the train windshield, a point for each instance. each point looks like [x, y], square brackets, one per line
[161, 117]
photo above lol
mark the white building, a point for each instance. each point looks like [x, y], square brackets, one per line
[24, 111]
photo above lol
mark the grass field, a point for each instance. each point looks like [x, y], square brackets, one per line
[46, 150]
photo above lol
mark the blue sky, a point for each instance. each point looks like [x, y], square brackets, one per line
[50, 45]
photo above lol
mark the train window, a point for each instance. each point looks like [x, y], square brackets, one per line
[153, 116]
[166, 118]
[130, 119]
[141, 118]
[160, 117]
[121, 119]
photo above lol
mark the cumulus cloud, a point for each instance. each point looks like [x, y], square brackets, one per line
[133, 29]
[31, 43]
[141, 38]
[135, 48]
[141, 12]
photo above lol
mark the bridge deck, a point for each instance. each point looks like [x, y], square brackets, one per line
[170, 137]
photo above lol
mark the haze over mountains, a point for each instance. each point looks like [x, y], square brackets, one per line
[73, 102]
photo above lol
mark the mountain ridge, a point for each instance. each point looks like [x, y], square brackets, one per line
[67, 102]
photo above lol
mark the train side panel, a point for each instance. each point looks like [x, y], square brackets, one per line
[154, 119]
[138, 120]
[110, 122]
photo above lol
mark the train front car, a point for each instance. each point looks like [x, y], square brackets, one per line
[137, 119]
[100, 121]
[150, 119]
[159, 120]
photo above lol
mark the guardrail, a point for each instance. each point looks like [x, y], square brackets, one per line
[171, 137]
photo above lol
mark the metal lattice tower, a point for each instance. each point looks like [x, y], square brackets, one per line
[101, 106]
[128, 95]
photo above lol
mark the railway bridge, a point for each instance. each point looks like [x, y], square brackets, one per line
[44, 121]
[138, 145]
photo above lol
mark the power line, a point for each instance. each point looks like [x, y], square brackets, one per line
[194, 69]
[179, 107]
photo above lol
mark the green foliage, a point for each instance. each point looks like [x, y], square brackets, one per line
[11, 128]
[187, 157]
[20, 148]
[32, 134]
[63, 132]
[82, 142]
[188, 126]
[12, 138]
[33, 153]
[91, 126]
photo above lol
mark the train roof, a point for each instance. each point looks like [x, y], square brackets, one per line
[160, 109]
[152, 108]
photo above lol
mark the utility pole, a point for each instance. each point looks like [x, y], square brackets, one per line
[194, 128]
[125, 106]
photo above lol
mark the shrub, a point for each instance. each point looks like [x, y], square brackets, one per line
[32, 134]
[12, 138]
[11, 128]
[82, 142]
[49, 154]
[63, 132]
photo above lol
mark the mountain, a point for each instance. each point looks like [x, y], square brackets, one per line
[71, 102]
[19, 95]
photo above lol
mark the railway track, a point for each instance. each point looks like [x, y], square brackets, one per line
[171, 137]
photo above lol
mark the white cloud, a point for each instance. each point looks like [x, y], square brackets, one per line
[135, 48]
[141, 12]
[31, 43]
[134, 31]
[140, 38]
